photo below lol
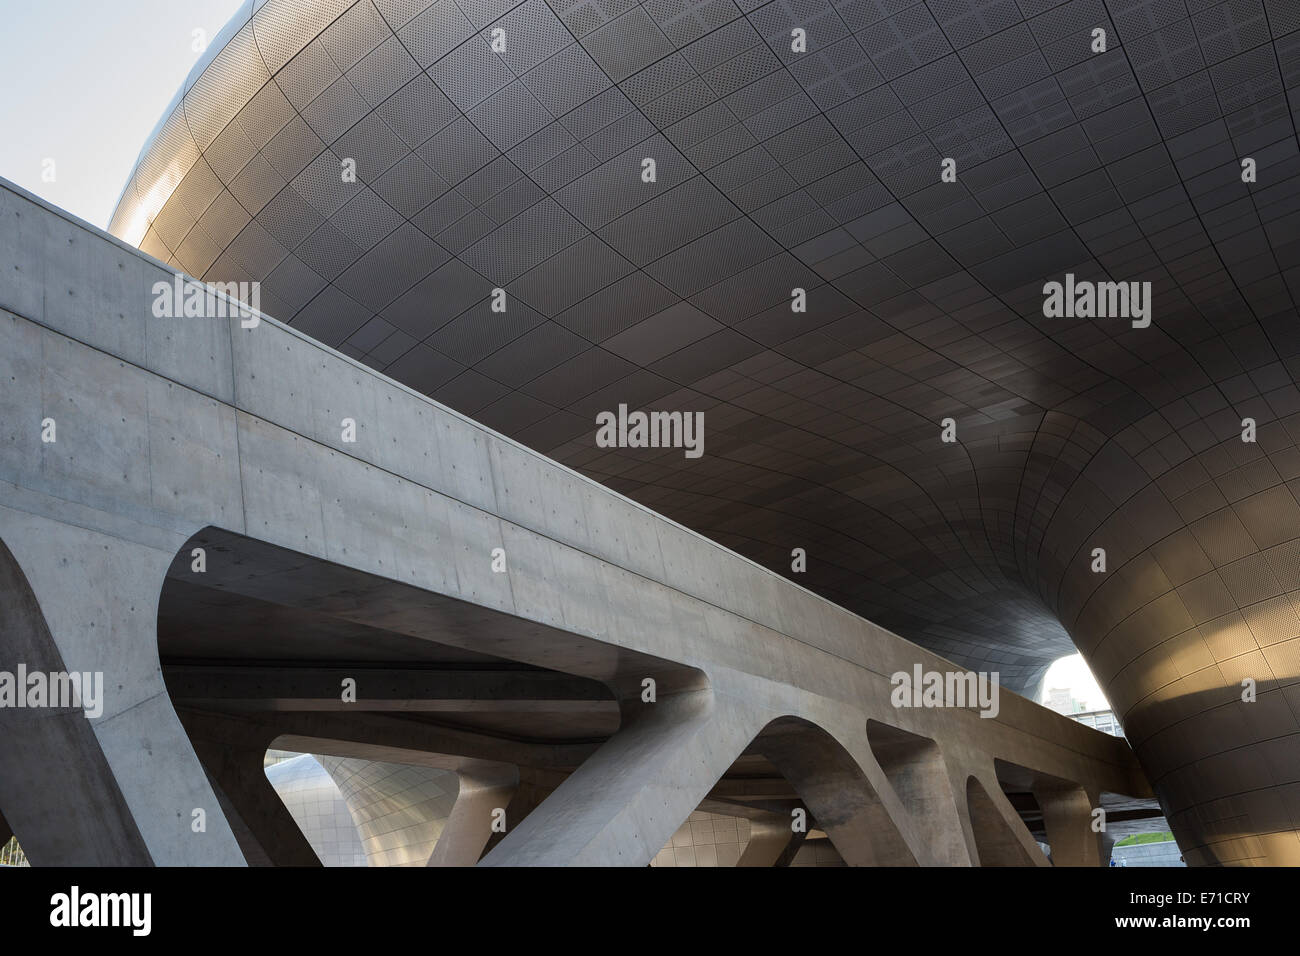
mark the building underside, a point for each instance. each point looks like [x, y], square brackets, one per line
[501, 146]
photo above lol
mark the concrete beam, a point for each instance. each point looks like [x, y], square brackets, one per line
[624, 803]
[415, 690]
[485, 793]
[769, 838]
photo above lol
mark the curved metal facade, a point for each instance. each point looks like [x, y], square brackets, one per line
[521, 169]
[365, 812]
[312, 798]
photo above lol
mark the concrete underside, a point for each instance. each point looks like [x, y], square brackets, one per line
[373, 560]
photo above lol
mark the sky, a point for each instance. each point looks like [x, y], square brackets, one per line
[85, 83]
[1072, 673]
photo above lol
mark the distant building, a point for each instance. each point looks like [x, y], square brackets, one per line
[1103, 720]
[1060, 700]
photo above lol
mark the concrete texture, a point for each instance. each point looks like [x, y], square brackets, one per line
[236, 768]
[175, 431]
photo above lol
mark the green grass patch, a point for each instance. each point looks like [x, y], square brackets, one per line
[1137, 838]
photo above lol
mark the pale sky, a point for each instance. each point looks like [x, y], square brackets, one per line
[85, 83]
[1072, 673]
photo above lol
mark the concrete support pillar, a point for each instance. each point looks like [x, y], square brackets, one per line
[1067, 818]
[534, 787]
[769, 837]
[625, 801]
[121, 788]
[920, 778]
[1107, 848]
[865, 823]
[791, 850]
[6, 834]
[238, 770]
[484, 788]
[1001, 837]
[254, 855]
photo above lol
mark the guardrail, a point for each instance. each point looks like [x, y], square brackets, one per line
[11, 854]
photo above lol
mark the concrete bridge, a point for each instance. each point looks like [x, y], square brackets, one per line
[180, 510]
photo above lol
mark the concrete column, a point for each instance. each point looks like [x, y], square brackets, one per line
[534, 787]
[238, 769]
[791, 850]
[769, 838]
[254, 855]
[121, 788]
[1107, 848]
[625, 802]
[484, 788]
[833, 785]
[1001, 837]
[919, 776]
[1067, 818]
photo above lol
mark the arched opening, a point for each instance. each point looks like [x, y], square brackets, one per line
[265, 647]
[794, 797]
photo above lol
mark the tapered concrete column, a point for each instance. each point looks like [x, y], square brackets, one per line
[239, 771]
[1107, 848]
[534, 787]
[121, 788]
[1067, 818]
[6, 834]
[484, 789]
[254, 855]
[863, 821]
[1001, 837]
[791, 850]
[769, 837]
[624, 803]
[920, 778]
